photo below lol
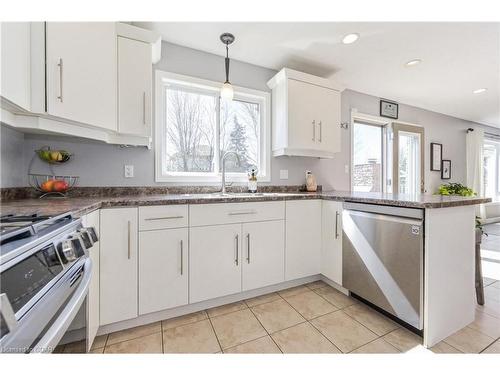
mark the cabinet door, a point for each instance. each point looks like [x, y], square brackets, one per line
[263, 254]
[328, 119]
[92, 220]
[214, 261]
[331, 247]
[118, 276]
[163, 269]
[302, 123]
[15, 63]
[303, 239]
[134, 87]
[82, 72]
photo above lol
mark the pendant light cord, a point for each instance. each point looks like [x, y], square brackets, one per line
[227, 63]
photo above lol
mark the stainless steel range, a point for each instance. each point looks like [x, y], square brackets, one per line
[45, 273]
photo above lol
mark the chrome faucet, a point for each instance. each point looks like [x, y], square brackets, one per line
[223, 161]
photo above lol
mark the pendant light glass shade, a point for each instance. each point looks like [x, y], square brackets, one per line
[226, 91]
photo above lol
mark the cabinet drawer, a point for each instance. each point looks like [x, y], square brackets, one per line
[227, 213]
[163, 217]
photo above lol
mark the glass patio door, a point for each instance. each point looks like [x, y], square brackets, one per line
[408, 159]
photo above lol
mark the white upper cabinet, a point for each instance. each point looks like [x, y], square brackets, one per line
[134, 87]
[15, 64]
[306, 115]
[82, 72]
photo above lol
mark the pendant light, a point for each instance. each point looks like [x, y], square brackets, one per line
[227, 91]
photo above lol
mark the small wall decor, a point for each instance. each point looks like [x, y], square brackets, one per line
[389, 109]
[436, 156]
[445, 169]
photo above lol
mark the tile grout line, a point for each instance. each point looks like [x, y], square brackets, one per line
[161, 328]
[215, 333]
[264, 328]
[314, 326]
[488, 346]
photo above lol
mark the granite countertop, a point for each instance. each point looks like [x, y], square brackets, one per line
[82, 205]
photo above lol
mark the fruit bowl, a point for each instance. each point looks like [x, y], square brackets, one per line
[51, 184]
[53, 156]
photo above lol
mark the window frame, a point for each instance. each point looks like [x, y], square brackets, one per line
[495, 143]
[163, 80]
[382, 123]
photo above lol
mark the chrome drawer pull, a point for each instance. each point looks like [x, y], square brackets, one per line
[253, 212]
[182, 257]
[336, 224]
[60, 65]
[236, 260]
[163, 218]
[128, 239]
[248, 248]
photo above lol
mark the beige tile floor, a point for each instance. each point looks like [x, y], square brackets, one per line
[313, 318]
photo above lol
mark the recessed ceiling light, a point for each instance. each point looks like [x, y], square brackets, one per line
[350, 38]
[479, 91]
[413, 62]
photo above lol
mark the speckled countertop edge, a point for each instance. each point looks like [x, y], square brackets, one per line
[81, 206]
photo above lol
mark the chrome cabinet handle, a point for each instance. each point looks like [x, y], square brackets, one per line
[248, 248]
[234, 213]
[336, 224]
[7, 313]
[236, 259]
[60, 65]
[128, 239]
[163, 218]
[182, 257]
[320, 131]
[144, 107]
[314, 130]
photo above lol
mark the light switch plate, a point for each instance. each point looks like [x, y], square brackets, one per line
[283, 174]
[128, 171]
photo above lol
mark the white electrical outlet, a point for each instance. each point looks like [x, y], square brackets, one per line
[346, 168]
[283, 174]
[129, 171]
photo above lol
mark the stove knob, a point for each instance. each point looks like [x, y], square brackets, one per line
[93, 234]
[67, 250]
[87, 240]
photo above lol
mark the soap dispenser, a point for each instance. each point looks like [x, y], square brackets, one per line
[252, 180]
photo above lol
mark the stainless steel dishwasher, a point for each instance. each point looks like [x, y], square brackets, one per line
[383, 257]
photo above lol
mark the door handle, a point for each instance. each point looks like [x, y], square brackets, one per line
[336, 224]
[320, 131]
[7, 312]
[236, 258]
[314, 130]
[248, 248]
[144, 108]
[182, 257]
[128, 239]
[60, 65]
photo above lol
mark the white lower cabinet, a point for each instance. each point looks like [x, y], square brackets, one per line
[118, 266]
[214, 261]
[92, 220]
[331, 247]
[303, 239]
[163, 269]
[263, 254]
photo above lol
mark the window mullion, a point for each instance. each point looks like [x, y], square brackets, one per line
[217, 137]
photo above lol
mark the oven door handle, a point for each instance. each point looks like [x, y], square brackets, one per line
[52, 337]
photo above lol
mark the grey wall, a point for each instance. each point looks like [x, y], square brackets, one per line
[100, 164]
[12, 168]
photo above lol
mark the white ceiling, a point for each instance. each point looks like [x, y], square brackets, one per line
[457, 58]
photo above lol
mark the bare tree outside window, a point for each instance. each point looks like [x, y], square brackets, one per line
[190, 131]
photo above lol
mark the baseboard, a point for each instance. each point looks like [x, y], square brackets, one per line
[191, 308]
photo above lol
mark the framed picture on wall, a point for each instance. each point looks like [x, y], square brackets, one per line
[446, 169]
[436, 156]
[389, 109]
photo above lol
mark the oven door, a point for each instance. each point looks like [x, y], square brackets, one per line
[67, 332]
